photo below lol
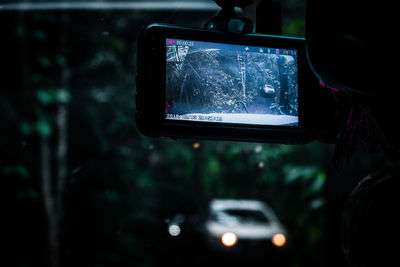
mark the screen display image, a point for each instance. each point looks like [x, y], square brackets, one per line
[226, 83]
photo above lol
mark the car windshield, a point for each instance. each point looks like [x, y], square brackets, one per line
[239, 216]
[83, 187]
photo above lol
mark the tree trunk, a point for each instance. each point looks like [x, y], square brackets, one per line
[53, 184]
[49, 200]
[283, 79]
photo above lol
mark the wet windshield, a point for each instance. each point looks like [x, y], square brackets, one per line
[83, 187]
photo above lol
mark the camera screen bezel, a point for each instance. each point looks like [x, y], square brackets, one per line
[151, 89]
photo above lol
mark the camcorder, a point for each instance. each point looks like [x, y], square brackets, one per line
[218, 85]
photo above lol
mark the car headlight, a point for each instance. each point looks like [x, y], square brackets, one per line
[229, 239]
[174, 230]
[279, 240]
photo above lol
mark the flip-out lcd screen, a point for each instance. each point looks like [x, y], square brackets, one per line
[228, 83]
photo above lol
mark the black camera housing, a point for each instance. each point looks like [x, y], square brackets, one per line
[151, 94]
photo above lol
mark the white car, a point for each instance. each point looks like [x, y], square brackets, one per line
[238, 225]
[268, 91]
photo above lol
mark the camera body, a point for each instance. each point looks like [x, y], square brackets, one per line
[204, 84]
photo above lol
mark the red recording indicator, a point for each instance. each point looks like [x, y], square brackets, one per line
[171, 41]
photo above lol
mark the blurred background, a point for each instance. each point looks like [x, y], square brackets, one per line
[80, 185]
